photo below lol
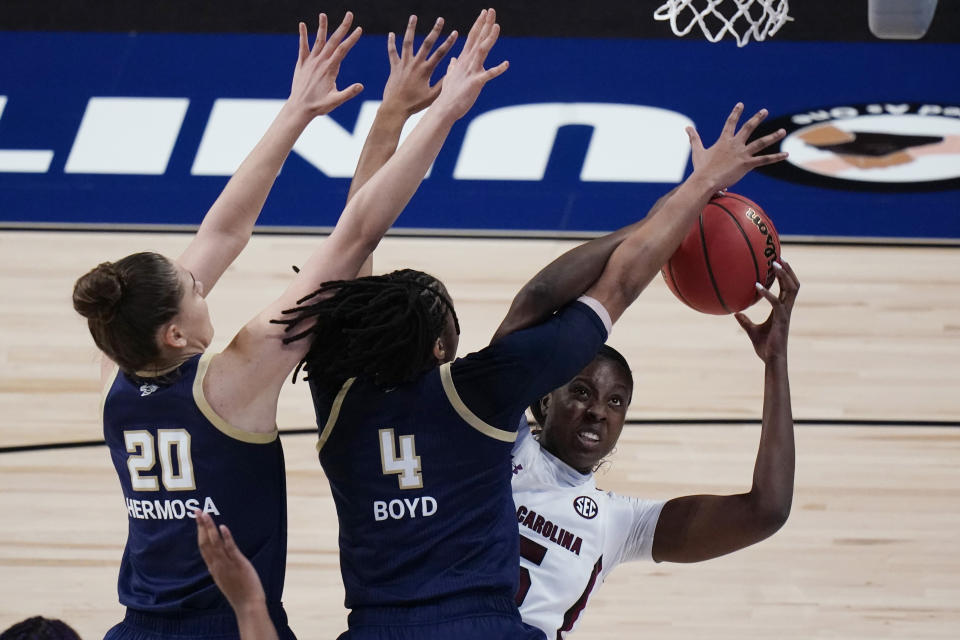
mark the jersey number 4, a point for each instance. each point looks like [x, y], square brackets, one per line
[176, 466]
[406, 465]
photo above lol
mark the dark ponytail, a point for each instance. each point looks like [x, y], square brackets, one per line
[381, 327]
[125, 302]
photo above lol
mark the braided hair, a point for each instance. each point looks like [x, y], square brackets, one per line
[380, 327]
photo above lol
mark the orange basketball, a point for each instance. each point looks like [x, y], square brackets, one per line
[730, 248]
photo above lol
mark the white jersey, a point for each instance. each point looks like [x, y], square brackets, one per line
[571, 535]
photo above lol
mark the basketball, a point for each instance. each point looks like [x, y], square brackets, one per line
[730, 248]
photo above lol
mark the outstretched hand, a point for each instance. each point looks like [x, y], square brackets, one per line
[731, 157]
[231, 570]
[770, 338]
[408, 88]
[466, 75]
[315, 76]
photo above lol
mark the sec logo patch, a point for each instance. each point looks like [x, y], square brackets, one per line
[585, 507]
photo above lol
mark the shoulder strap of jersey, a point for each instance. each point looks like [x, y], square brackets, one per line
[215, 419]
[106, 389]
[334, 413]
[446, 377]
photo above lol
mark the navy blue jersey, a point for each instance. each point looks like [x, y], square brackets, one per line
[420, 473]
[172, 454]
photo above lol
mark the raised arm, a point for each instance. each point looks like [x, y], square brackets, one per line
[407, 92]
[566, 278]
[694, 528]
[228, 224]
[252, 369]
[375, 206]
[639, 257]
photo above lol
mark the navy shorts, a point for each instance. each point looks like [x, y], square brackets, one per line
[142, 625]
[457, 618]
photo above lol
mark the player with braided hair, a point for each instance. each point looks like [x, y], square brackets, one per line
[191, 429]
[418, 452]
[368, 312]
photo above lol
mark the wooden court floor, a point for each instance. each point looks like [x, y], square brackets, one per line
[872, 547]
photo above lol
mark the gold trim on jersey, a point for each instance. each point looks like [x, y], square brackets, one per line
[446, 377]
[334, 413]
[106, 389]
[222, 425]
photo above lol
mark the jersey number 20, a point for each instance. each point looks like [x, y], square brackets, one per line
[176, 469]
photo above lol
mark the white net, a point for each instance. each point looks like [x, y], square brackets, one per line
[742, 19]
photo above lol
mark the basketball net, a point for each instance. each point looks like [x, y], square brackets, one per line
[743, 19]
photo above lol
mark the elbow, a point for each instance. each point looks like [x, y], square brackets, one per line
[770, 518]
[536, 300]
[538, 294]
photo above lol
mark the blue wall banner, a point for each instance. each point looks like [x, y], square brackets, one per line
[580, 135]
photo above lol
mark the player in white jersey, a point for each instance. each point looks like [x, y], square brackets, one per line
[573, 534]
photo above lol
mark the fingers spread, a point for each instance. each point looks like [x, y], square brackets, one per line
[430, 39]
[750, 125]
[344, 47]
[491, 39]
[442, 50]
[731, 124]
[488, 25]
[478, 31]
[321, 33]
[762, 143]
[493, 72]
[338, 35]
[408, 37]
[342, 96]
[695, 142]
[304, 47]
[770, 158]
[392, 48]
[475, 29]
